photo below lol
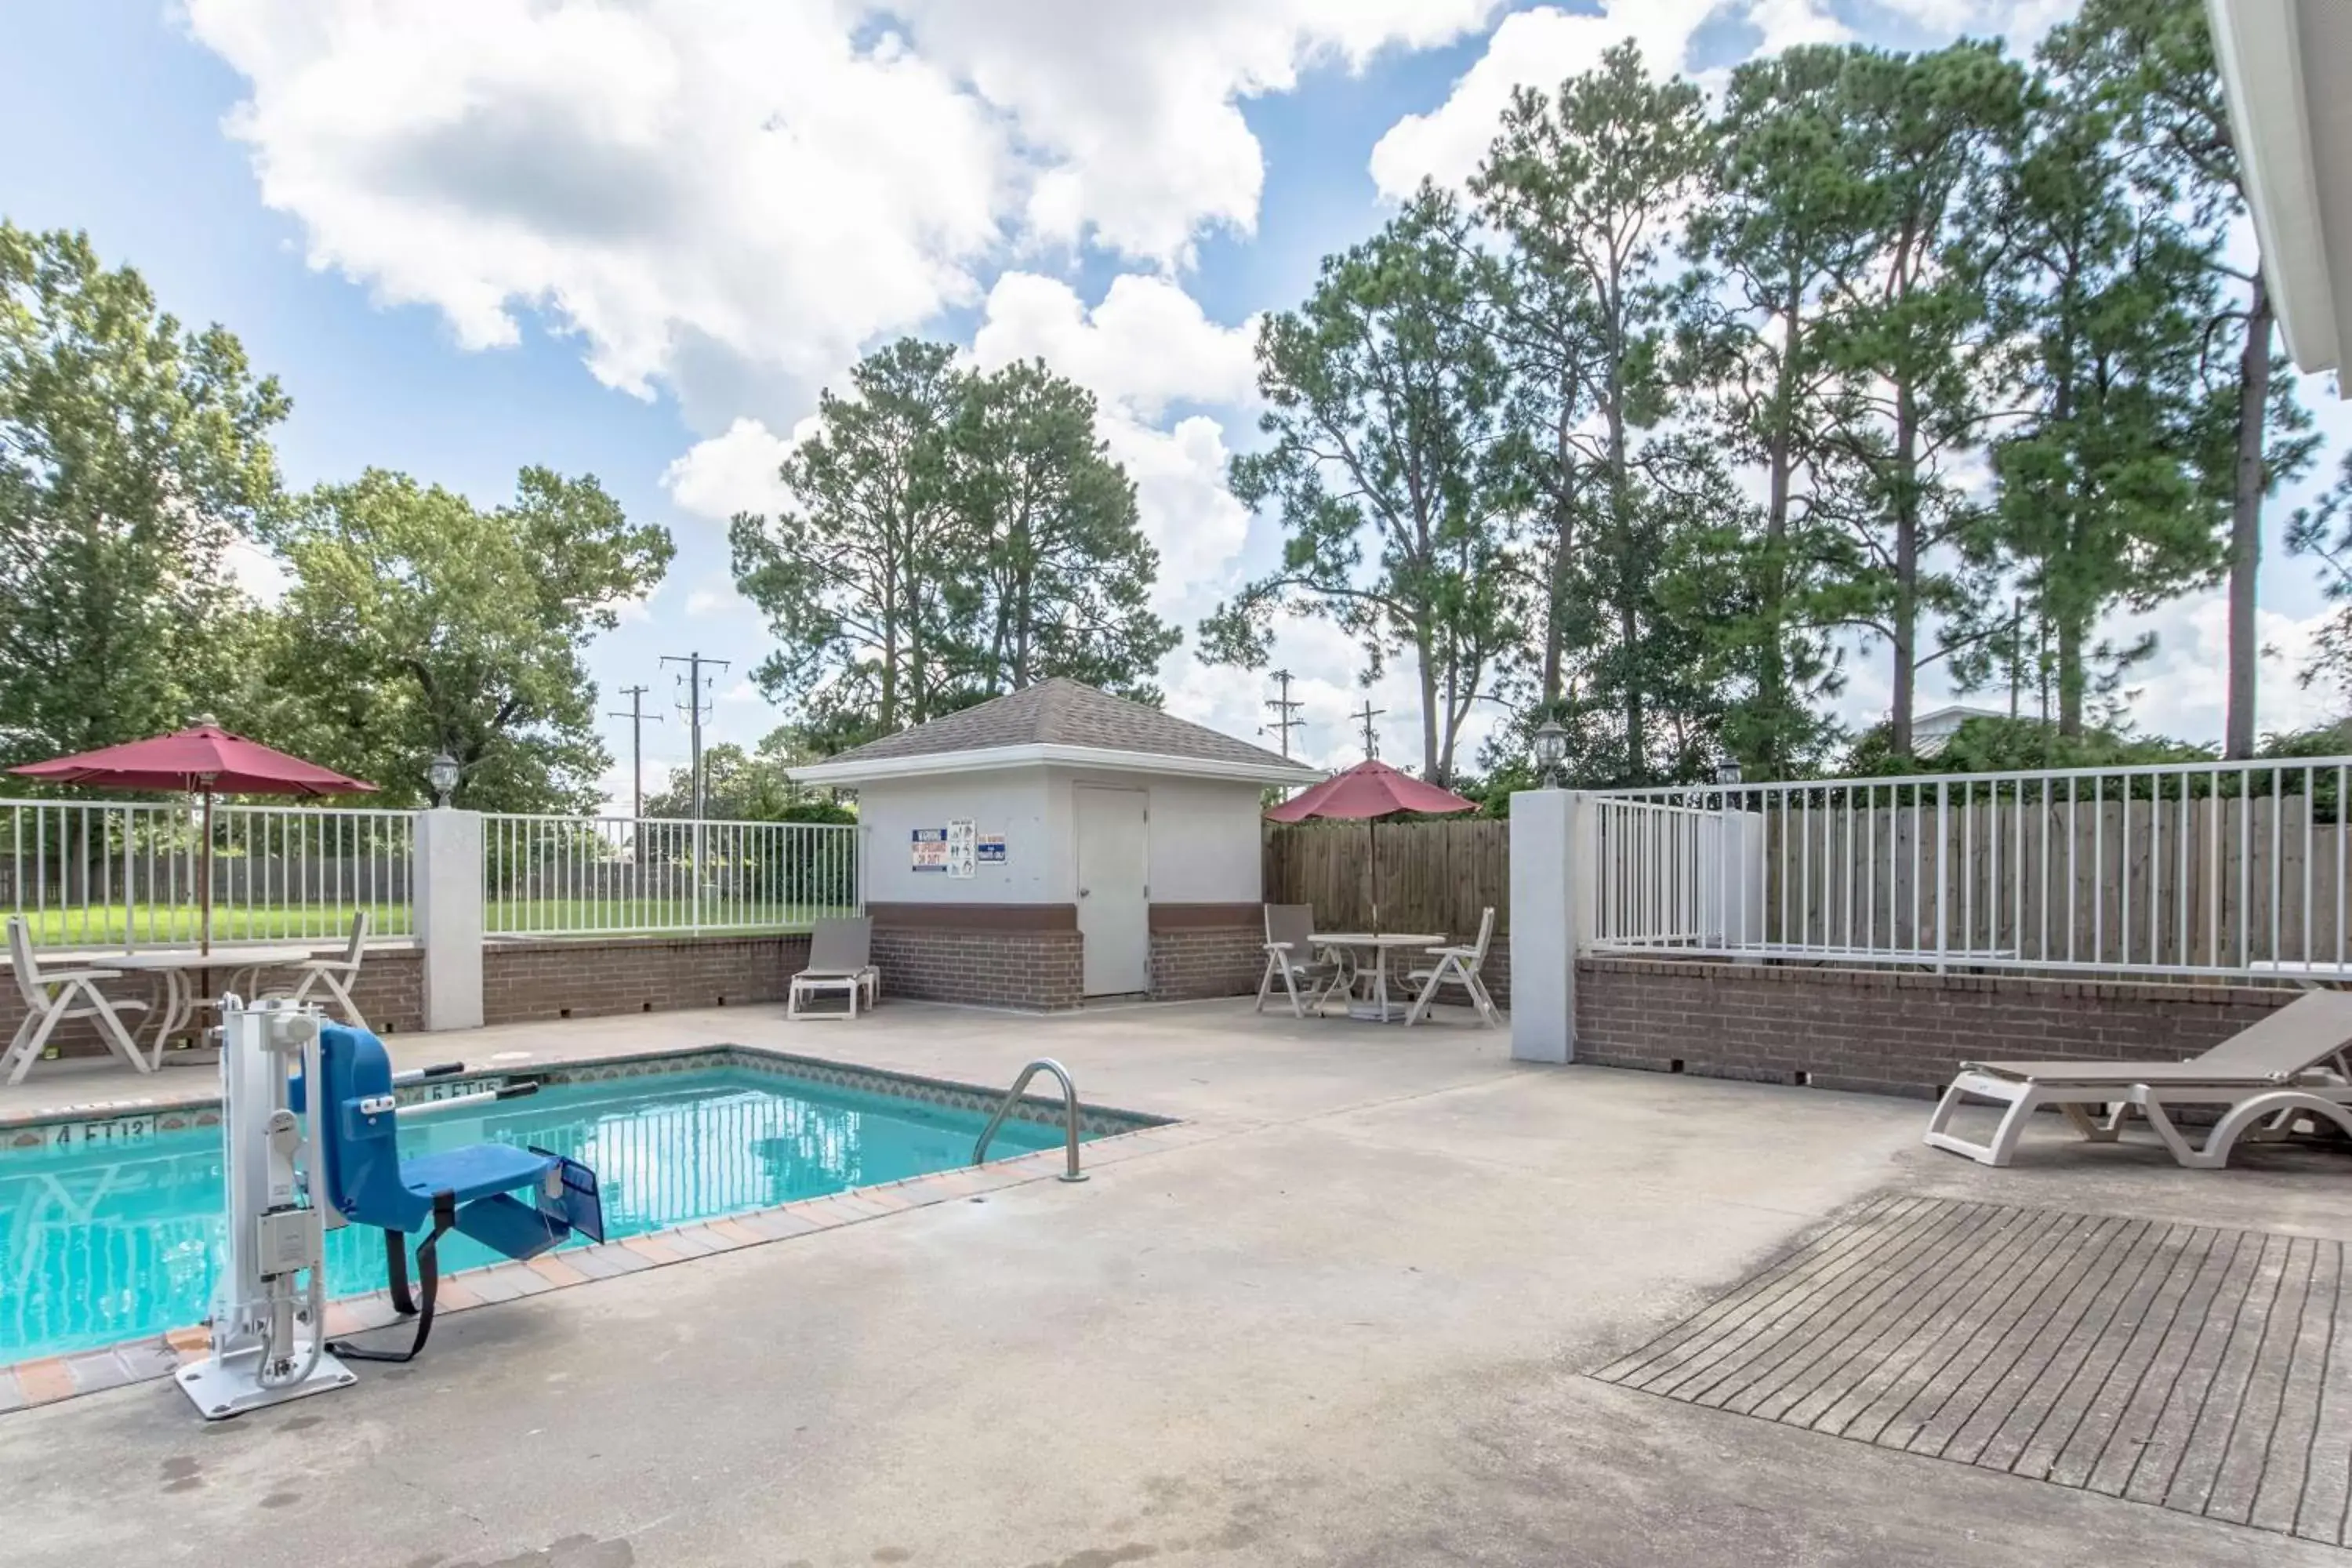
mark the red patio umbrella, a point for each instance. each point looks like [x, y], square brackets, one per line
[204, 760]
[1370, 790]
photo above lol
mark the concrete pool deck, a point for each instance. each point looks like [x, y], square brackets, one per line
[1349, 1321]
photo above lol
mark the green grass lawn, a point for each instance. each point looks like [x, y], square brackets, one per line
[157, 925]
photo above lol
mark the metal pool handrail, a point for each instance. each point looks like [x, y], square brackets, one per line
[1012, 1097]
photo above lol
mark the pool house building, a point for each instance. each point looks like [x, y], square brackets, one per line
[1060, 844]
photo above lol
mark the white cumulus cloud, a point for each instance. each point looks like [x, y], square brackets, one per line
[1136, 103]
[734, 196]
[657, 180]
[2022, 22]
[2182, 690]
[1542, 47]
[736, 470]
[1146, 345]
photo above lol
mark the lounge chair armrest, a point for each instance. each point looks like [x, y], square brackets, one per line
[52, 977]
[1280, 946]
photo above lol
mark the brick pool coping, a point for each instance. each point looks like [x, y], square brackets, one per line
[49, 1379]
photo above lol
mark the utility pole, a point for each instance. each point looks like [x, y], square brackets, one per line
[1284, 707]
[1371, 737]
[636, 716]
[695, 683]
[2016, 654]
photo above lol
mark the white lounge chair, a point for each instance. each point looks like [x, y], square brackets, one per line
[1458, 966]
[841, 959]
[54, 995]
[2289, 1067]
[334, 975]
[1290, 956]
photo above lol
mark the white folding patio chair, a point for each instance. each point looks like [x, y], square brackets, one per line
[840, 958]
[335, 975]
[1458, 966]
[1290, 957]
[52, 996]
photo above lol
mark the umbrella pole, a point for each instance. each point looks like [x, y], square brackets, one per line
[1372, 843]
[204, 880]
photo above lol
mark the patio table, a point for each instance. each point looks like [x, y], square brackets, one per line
[1376, 1009]
[177, 964]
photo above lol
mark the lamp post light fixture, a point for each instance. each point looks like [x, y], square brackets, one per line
[1727, 772]
[1551, 750]
[441, 772]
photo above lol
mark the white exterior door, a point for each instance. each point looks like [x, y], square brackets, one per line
[1114, 903]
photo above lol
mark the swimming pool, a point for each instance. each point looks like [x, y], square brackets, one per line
[110, 1232]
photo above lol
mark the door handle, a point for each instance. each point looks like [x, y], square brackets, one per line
[1083, 892]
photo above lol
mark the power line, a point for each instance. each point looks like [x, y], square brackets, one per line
[1284, 707]
[695, 683]
[636, 716]
[1371, 736]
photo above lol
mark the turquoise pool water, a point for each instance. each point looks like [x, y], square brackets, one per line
[112, 1241]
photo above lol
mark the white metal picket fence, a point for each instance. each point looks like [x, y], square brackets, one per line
[565, 876]
[2205, 868]
[127, 873]
[124, 874]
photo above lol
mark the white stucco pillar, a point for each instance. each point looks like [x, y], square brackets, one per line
[1550, 916]
[448, 894]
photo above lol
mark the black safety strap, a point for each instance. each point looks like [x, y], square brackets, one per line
[428, 1277]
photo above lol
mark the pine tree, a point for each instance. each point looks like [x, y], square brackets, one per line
[2151, 63]
[1915, 336]
[1589, 185]
[2107, 491]
[1384, 404]
[1786, 226]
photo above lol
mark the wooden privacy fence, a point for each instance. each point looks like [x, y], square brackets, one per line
[2206, 883]
[2212, 868]
[1434, 875]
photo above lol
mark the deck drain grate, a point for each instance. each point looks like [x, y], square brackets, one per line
[2198, 1369]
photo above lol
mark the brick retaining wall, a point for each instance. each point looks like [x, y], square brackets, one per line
[389, 991]
[1199, 961]
[528, 979]
[588, 977]
[1884, 1032]
[1040, 970]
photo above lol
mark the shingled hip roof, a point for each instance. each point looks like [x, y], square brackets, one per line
[1057, 720]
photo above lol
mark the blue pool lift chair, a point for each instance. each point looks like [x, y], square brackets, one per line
[519, 1202]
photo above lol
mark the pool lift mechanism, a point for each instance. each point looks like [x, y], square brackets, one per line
[296, 1165]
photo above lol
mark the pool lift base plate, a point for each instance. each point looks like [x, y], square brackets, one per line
[231, 1384]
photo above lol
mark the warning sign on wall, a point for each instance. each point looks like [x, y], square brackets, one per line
[928, 849]
[964, 839]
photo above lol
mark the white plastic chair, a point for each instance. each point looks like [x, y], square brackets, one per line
[51, 998]
[335, 975]
[840, 958]
[1290, 957]
[1458, 966]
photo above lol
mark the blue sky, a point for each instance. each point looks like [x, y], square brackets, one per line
[474, 235]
